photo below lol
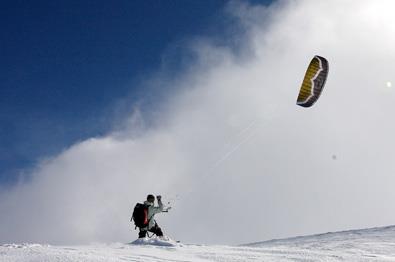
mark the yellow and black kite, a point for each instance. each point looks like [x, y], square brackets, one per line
[313, 82]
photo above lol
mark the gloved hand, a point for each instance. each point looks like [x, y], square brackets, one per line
[158, 198]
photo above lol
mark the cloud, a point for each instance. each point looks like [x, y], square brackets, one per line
[238, 159]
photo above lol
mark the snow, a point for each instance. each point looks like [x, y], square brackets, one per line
[163, 242]
[375, 244]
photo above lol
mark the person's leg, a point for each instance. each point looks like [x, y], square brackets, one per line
[156, 230]
[142, 233]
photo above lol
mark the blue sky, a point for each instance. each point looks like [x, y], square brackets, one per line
[66, 65]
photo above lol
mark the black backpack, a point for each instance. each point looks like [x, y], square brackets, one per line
[140, 215]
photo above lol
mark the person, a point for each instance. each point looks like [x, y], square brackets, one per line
[152, 211]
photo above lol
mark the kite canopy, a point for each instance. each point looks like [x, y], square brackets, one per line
[313, 82]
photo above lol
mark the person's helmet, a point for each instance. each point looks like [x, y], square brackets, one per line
[151, 198]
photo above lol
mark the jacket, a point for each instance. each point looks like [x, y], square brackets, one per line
[152, 211]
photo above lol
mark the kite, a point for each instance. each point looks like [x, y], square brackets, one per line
[313, 82]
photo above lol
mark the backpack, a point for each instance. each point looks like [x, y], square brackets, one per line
[140, 215]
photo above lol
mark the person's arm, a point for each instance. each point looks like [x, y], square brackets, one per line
[160, 206]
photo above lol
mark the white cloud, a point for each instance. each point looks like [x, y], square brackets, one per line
[281, 178]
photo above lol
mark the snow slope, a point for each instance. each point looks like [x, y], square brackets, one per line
[375, 244]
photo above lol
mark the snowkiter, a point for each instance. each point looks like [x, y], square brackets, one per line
[151, 211]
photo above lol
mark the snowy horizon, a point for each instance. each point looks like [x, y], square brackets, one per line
[374, 244]
[228, 147]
